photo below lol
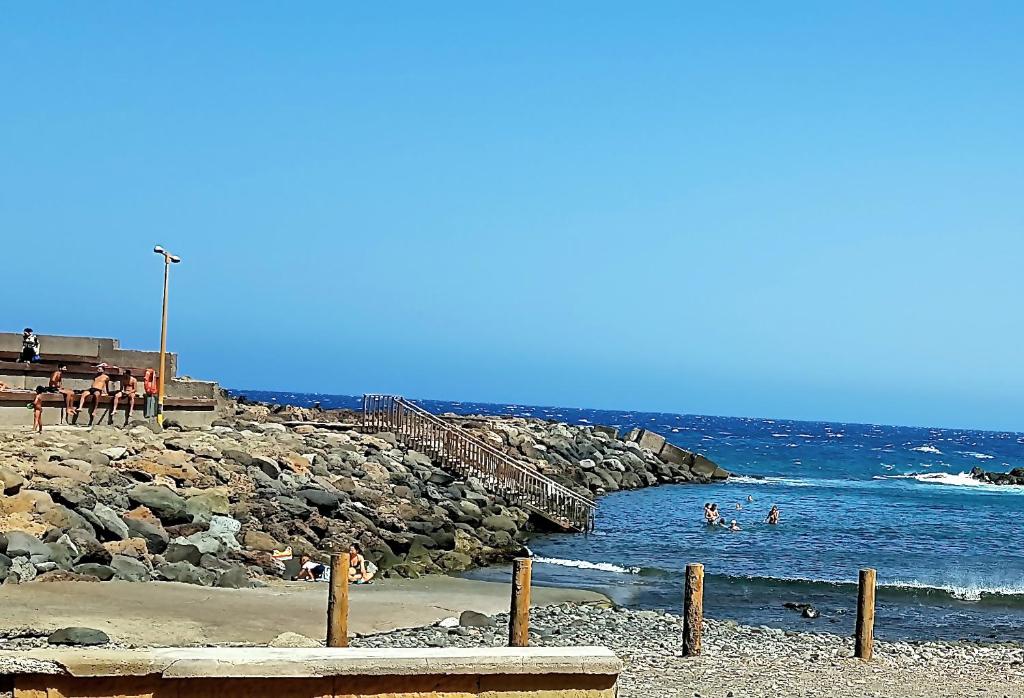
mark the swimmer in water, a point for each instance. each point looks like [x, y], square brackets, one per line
[708, 516]
[733, 526]
[773, 516]
[739, 506]
[750, 498]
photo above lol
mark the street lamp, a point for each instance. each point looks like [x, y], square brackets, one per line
[168, 260]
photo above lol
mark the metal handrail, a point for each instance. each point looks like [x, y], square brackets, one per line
[535, 490]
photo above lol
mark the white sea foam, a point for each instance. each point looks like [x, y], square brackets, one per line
[979, 456]
[585, 565]
[928, 448]
[965, 592]
[953, 480]
[780, 436]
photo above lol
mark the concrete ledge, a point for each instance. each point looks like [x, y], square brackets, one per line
[268, 662]
[576, 672]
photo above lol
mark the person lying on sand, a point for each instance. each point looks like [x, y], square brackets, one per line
[773, 516]
[310, 571]
[359, 570]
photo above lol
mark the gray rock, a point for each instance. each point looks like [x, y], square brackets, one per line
[235, 578]
[184, 552]
[129, 569]
[21, 544]
[21, 570]
[185, 573]
[155, 536]
[269, 466]
[11, 480]
[110, 522]
[168, 506]
[102, 572]
[500, 522]
[240, 457]
[81, 637]
[473, 619]
[326, 502]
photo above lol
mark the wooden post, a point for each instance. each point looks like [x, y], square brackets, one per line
[865, 615]
[693, 609]
[337, 602]
[519, 611]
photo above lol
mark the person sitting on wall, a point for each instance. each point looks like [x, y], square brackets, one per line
[129, 386]
[96, 391]
[29, 347]
[56, 386]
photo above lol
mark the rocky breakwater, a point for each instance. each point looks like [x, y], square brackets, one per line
[210, 506]
[593, 460]
[1014, 477]
[213, 505]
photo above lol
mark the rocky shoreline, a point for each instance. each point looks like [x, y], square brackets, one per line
[212, 505]
[740, 660]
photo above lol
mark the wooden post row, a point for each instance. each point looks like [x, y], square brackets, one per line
[337, 602]
[693, 609]
[865, 638]
[519, 610]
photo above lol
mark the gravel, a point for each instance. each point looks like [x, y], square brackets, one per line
[745, 661]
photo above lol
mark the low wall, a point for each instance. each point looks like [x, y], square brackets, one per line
[95, 348]
[575, 672]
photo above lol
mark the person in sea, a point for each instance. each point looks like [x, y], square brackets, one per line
[733, 526]
[29, 347]
[711, 514]
[96, 391]
[129, 387]
[360, 570]
[56, 386]
[309, 570]
[773, 516]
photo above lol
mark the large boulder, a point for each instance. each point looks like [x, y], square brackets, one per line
[186, 573]
[203, 506]
[81, 637]
[20, 544]
[11, 480]
[169, 507]
[102, 572]
[111, 525]
[129, 569]
[500, 522]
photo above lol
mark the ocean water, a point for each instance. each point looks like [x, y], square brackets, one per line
[949, 551]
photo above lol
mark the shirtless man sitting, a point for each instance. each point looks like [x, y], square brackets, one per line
[96, 390]
[129, 386]
[55, 386]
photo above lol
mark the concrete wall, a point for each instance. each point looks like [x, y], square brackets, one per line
[96, 348]
[580, 672]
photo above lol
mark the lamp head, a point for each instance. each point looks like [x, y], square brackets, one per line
[159, 250]
[174, 259]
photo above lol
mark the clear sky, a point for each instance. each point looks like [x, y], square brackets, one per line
[810, 210]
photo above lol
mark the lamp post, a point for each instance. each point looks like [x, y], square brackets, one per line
[168, 260]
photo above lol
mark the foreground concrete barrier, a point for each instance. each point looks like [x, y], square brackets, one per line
[528, 672]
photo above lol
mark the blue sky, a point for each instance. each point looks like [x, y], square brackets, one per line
[808, 210]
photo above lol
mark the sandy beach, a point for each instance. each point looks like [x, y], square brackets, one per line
[171, 614]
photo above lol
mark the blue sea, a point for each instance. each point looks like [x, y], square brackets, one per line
[949, 551]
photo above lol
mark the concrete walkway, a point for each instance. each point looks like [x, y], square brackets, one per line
[170, 614]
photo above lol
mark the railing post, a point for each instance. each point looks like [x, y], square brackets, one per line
[337, 602]
[865, 615]
[693, 609]
[519, 611]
